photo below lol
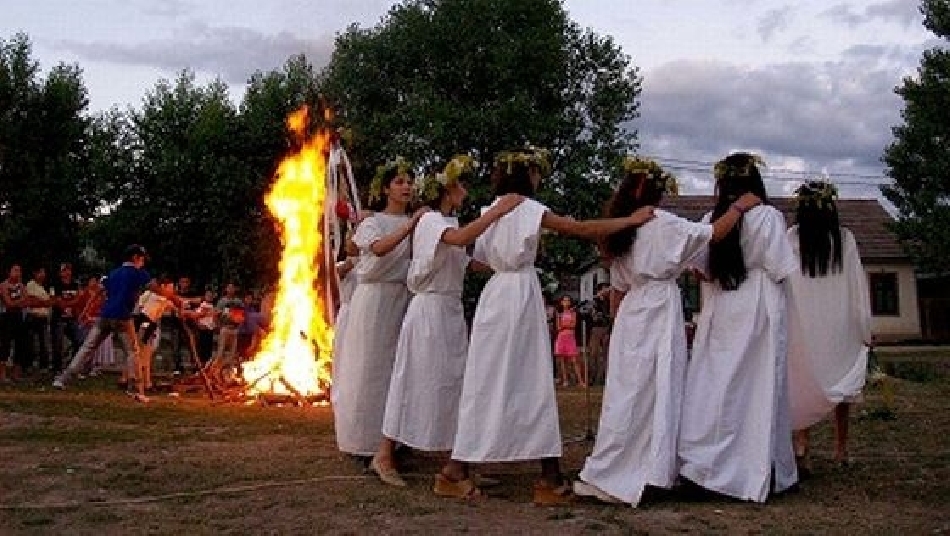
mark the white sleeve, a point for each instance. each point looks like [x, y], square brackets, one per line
[367, 233]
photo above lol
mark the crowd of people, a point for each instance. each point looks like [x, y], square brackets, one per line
[780, 341]
[71, 326]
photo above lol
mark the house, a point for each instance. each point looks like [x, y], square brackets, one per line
[891, 279]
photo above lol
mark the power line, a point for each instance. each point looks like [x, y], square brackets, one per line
[777, 174]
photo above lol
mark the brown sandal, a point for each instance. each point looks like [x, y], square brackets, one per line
[462, 489]
[547, 494]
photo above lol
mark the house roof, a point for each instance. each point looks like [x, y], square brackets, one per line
[865, 217]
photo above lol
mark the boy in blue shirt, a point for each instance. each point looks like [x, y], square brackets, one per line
[122, 288]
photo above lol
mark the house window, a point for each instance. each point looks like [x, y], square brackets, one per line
[884, 294]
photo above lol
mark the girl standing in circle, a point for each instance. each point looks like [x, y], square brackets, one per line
[508, 410]
[736, 428]
[422, 405]
[379, 301]
[829, 319]
[639, 421]
[565, 344]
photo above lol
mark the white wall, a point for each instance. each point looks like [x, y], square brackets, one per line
[907, 324]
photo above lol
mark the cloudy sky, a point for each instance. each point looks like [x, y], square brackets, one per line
[808, 84]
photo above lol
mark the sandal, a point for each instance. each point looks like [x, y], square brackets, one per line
[462, 489]
[387, 475]
[547, 494]
[583, 489]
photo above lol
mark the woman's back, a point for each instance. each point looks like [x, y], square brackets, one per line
[511, 243]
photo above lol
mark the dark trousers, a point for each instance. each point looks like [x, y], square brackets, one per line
[36, 328]
[179, 339]
[13, 336]
[64, 329]
[205, 344]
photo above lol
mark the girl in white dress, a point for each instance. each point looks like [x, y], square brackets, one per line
[639, 420]
[508, 411]
[736, 427]
[829, 320]
[422, 407]
[379, 301]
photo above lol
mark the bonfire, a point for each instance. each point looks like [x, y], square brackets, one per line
[294, 357]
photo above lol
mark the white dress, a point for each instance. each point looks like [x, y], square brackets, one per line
[829, 321]
[369, 341]
[347, 286]
[508, 410]
[422, 408]
[639, 421]
[736, 426]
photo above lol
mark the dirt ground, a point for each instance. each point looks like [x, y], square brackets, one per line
[91, 461]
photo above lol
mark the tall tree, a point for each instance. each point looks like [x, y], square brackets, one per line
[45, 189]
[437, 77]
[918, 160]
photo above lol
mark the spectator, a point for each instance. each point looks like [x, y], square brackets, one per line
[191, 299]
[37, 318]
[12, 333]
[203, 318]
[64, 322]
[231, 314]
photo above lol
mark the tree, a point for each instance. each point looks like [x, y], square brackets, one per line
[46, 192]
[918, 159]
[438, 77]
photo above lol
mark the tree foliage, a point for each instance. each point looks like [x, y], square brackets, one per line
[438, 77]
[46, 192]
[918, 159]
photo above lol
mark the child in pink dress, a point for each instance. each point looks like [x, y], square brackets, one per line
[565, 345]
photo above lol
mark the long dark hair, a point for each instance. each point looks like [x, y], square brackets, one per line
[819, 231]
[379, 204]
[513, 178]
[637, 189]
[737, 174]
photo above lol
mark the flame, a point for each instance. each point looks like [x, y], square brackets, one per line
[294, 357]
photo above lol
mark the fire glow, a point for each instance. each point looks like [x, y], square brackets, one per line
[294, 357]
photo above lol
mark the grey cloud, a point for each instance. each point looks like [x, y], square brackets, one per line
[843, 14]
[774, 21]
[906, 12]
[903, 12]
[233, 53]
[835, 116]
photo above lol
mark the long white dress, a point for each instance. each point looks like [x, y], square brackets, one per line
[422, 408]
[829, 321]
[639, 421]
[369, 340]
[736, 425]
[347, 286]
[508, 410]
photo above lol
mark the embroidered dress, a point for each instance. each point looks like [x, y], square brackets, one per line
[508, 410]
[422, 408]
[736, 425]
[369, 341]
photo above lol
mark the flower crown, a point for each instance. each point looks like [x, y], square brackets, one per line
[428, 186]
[819, 193]
[400, 164]
[529, 156]
[664, 181]
[725, 169]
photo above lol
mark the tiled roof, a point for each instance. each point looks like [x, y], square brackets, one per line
[865, 217]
